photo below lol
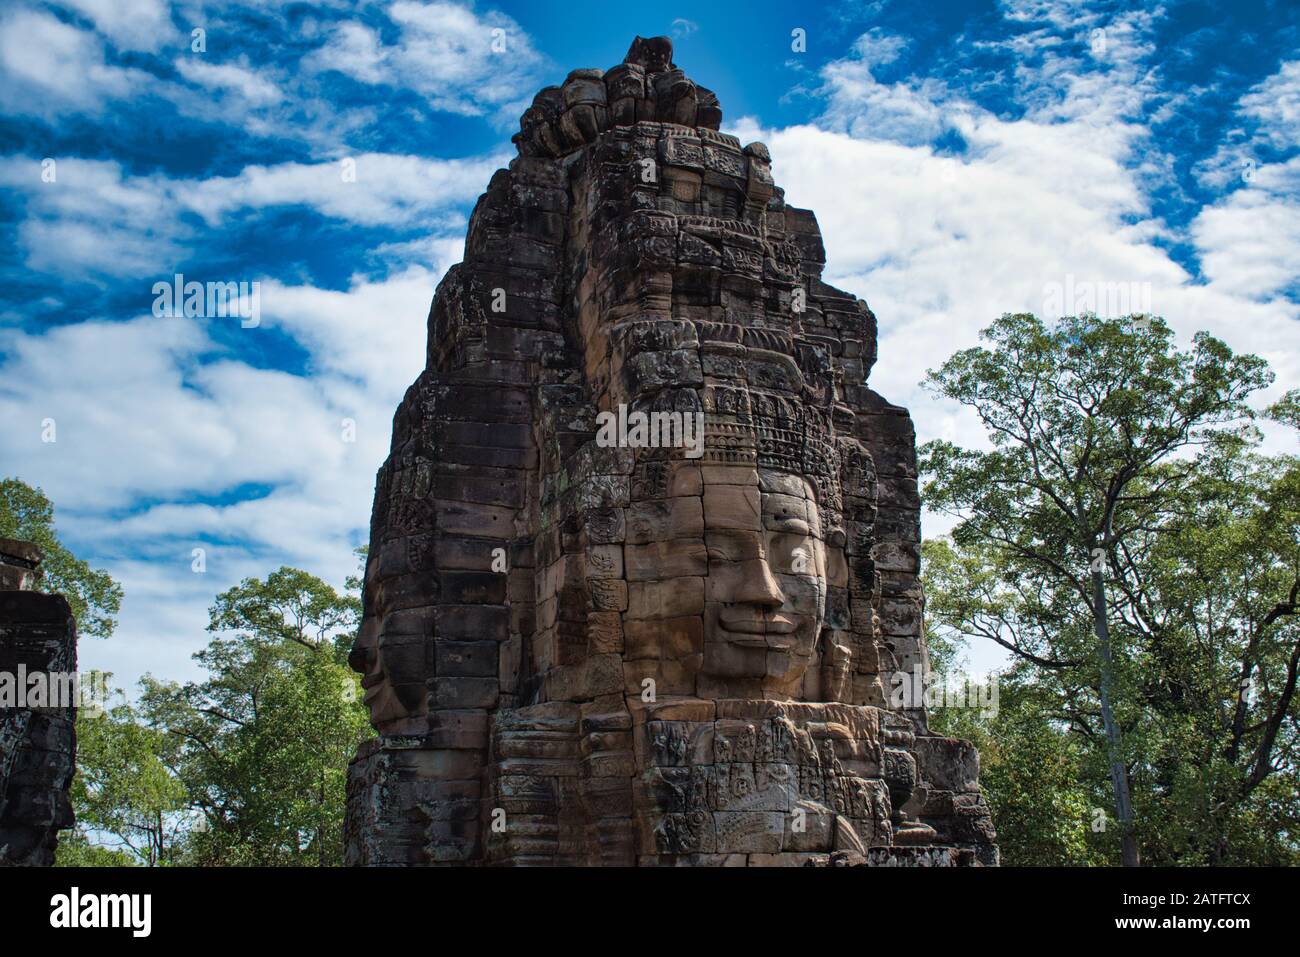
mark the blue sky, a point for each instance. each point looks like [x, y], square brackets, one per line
[964, 159]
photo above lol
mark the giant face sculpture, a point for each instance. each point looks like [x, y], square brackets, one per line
[633, 652]
[765, 593]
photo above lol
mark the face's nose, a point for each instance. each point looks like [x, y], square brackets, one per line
[358, 659]
[361, 657]
[757, 585]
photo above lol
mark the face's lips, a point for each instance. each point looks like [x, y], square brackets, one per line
[372, 685]
[741, 623]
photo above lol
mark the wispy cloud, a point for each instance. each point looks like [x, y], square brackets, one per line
[277, 80]
[128, 24]
[95, 219]
[49, 67]
[1249, 240]
[1057, 182]
[460, 61]
[682, 28]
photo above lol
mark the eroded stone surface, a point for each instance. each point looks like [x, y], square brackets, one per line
[693, 647]
[37, 744]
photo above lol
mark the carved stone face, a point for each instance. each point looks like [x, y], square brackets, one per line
[765, 594]
[389, 652]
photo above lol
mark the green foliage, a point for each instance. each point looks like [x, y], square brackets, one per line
[1218, 631]
[265, 740]
[245, 767]
[1111, 450]
[76, 850]
[1080, 416]
[1031, 772]
[290, 607]
[26, 514]
[124, 792]
[1287, 409]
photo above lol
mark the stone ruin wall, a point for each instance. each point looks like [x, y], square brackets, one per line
[634, 255]
[37, 745]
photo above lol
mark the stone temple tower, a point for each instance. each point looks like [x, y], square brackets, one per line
[643, 557]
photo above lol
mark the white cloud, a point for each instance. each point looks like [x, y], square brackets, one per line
[876, 47]
[172, 414]
[97, 220]
[129, 24]
[475, 64]
[1269, 123]
[156, 426]
[1275, 106]
[353, 49]
[268, 100]
[864, 107]
[380, 188]
[250, 85]
[1249, 240]
[461, 61]
[48, 67]
[941, 246]
[359, 333]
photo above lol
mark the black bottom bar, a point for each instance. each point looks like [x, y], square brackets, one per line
[382, 907]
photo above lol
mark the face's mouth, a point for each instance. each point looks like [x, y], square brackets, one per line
[759, 626]
[371, 683]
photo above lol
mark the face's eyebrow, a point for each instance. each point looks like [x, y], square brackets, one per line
[736, 545]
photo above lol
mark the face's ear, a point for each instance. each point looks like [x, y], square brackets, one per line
[829, 676]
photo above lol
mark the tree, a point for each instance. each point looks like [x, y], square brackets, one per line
[1031, 766]
[26, 514]
[1032, 774]
[76, 850]
[1099, 431]
[123, 792]
[1214, 599]
[265, 740]
[1215, 776]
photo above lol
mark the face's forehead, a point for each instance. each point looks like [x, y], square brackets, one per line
[785, 483]
[788, 498]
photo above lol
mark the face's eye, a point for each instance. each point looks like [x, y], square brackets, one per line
[793, 555]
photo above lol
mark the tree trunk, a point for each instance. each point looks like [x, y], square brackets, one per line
[320, 828]
[1118, 773]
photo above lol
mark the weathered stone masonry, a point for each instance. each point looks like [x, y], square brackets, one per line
[586, 655]
[37, 745]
